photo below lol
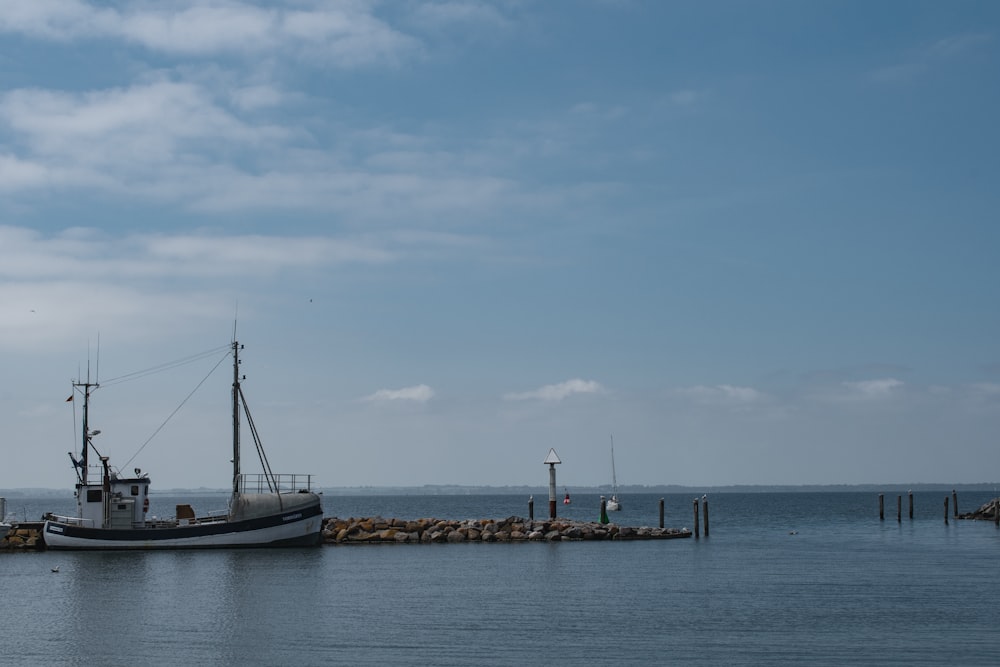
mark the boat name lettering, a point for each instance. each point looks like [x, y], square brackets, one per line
[55, 529]
[292, 517]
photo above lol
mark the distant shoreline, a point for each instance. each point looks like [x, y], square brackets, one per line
[542, 491]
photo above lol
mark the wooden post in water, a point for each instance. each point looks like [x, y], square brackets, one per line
[899, 509]
[704, 507]
[954, 500]
[697, 530]
[661, 512]
[910, 493]
[531, 508]
[946, 509]
[881, 507]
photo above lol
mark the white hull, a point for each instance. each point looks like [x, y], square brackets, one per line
[257, 520]
[305, 531]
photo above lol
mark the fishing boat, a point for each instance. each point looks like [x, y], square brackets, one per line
[614, 505]
[265, 510]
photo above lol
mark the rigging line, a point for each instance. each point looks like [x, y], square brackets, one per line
[272, 482]
[177, 409]
[73, 396]
[165, 366]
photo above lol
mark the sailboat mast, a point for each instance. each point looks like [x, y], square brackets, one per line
[236, 418]
[614, 477]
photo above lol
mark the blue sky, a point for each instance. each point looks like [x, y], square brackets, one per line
[757, 242]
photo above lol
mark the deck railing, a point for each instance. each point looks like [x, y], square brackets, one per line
[259, 483]
[71, 520]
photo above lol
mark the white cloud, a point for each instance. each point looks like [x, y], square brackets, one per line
[55, 19]
[722, 393]
[177, 141]
[141, 126]
[420, 393]
[873, 388]
[255, 97]
[17, 174]
[557, 392]
[345, 34]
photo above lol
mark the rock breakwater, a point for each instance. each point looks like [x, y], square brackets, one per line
[23, 537]
[988, 512]
[379, 530]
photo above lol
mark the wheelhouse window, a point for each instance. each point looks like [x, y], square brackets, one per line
[135, 489]
[94, 496]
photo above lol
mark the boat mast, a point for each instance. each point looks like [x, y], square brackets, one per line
[87, 387]
[614, 477]
[236, 418]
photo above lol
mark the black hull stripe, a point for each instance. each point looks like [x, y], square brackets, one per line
[110, 536]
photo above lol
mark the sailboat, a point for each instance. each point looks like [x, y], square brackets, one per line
[613, 504]
[4, 526]
[265, 510]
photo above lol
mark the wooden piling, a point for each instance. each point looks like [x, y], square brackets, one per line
[661, 512]
[881, 507]
[531, 508]
[946, 509]
[954, 500]
[697, 532]
[910, 493]
[899, 509]
[704, 507]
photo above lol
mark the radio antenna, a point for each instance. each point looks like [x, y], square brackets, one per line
[236, 317]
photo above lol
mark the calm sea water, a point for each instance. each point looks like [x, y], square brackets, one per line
[784, 579]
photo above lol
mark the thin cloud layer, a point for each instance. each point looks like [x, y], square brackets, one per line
[873, 388]
[420, 393]
[28, 255]
[54, 286]
[722, 393]
[557, 392]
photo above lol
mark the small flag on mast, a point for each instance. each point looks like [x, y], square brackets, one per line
[69, 399]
